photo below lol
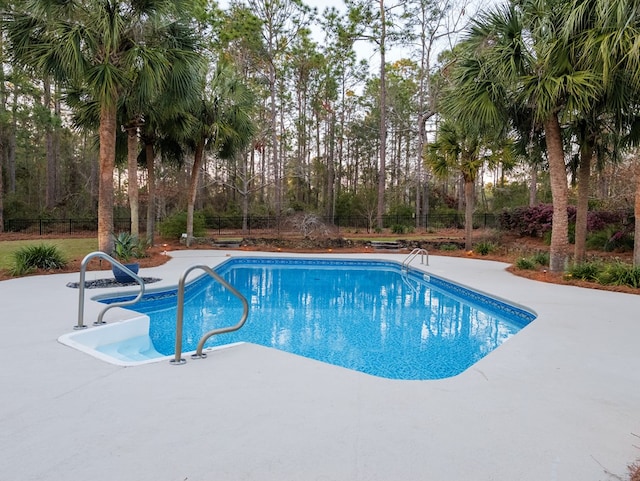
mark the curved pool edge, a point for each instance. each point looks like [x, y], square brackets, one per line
[134, 332]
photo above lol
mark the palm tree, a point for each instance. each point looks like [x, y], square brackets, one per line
[221, 123]
[102, 47]
[457, 150]
[516, 54]
[460, 149]
[605, 35]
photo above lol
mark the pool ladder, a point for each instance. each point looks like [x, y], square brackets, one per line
[180, 304]
[81, 287]
[404, 268]
[178, 360]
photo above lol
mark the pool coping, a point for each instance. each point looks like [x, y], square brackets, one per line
[97, 341]
[559, 401]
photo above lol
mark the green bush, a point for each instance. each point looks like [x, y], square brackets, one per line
[449, 247]
[175, 225]
[586, 271]
[42, 256]
[526, 263]
[619, 274]
[541, 258]
[610, 239]
[485, 247]
[398, 229]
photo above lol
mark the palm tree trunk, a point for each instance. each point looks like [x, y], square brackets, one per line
[582, 211]
[558, 251]
[193, 189]
[636, 240]
[151, 190]
[105, 186]
[132, 168]
[468, 212]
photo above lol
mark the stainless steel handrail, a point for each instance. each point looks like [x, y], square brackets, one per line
[83, 270]
[178, 360]
[404, 269]
[414, 253]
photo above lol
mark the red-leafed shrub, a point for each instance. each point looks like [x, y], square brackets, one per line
[535, 221]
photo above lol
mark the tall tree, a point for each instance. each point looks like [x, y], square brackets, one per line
[604, 35]
[459, 148]
[281, 20]
[516, 54]
[221, 123]
[431, 21]
[100, 46]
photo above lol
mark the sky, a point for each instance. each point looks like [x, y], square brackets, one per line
[364, 50]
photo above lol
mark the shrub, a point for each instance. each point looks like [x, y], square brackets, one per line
[619, 274]
[42, 256]
[611, 239]
[398, 229]
[175, 225]
[586, 271]
[525, 263]
[541, 258]
[485, 247]
[536, 220]
[448, 247]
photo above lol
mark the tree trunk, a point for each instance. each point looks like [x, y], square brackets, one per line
[151, 190]
[132, 168]
[383, 120]
[11, 145]
[1, 196]
[558, 251]
[582, 209]
[50, 194]
[468, 212]
[245, 197]
[636, 213]
[533, 186]
[105, 187]
[193, 189]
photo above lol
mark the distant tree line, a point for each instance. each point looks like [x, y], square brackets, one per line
[141, 109]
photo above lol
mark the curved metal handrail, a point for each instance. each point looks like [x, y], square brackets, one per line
[418, 251]
[177, 360]
[83, 270]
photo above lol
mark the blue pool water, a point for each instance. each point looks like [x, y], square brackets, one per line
[361, 315]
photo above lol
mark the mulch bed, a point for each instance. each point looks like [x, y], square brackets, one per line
[511, 250]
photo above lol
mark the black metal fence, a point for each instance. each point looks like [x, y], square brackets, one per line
[60, 226]
[397, 223]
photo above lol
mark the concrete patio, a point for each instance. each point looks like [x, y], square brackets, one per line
[559, 401]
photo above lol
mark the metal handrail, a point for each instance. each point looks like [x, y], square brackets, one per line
[178, 360]
[414, 253]
[404, 269]
[83, 270]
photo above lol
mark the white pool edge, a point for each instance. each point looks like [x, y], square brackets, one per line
[89, 339]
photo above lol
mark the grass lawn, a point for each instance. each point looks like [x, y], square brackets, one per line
[70, 248]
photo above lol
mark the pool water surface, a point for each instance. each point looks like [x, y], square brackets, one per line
[368, 316]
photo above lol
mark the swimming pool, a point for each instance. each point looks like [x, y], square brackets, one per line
[363, 315]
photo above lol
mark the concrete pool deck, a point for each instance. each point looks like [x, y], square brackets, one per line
[558, 401]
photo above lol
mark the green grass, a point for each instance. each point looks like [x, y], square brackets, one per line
[70, 248]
